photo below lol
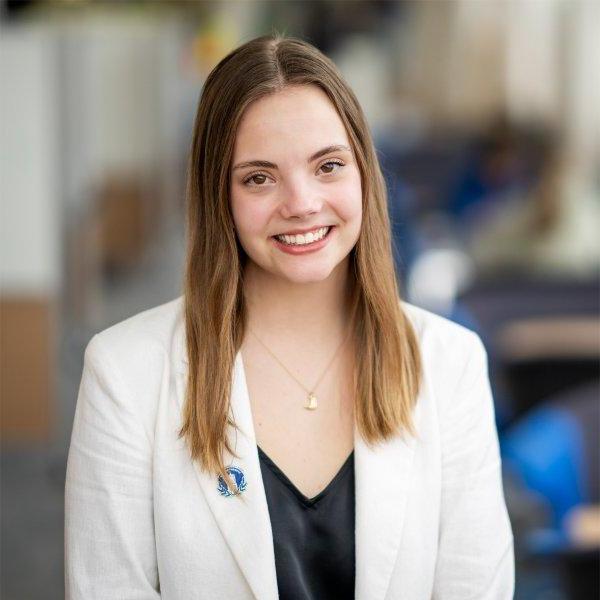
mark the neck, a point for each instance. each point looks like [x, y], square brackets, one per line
[304, 312]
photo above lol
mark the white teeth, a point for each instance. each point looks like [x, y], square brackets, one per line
[300, 239]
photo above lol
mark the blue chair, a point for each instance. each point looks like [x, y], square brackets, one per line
[553, 451]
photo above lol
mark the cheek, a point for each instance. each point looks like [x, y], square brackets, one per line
[349, 200]
[249, 216]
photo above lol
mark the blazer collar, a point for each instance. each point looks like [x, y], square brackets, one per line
[382, 478]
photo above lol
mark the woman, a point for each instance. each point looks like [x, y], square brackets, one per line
[289, 427]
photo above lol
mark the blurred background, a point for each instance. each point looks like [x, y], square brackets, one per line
[485, 116]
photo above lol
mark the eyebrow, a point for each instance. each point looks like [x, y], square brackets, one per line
[269, 165]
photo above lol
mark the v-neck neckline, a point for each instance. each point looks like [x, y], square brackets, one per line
[309, 502]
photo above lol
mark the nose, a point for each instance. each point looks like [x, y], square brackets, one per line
[299, 199]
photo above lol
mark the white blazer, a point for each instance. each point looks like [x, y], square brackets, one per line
[144, 522]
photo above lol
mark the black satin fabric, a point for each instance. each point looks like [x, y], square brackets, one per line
[313, 537]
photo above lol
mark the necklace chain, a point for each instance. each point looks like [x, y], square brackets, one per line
[312, 400]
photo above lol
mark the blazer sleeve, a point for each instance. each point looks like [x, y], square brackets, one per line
[475, 548]
[110, 549]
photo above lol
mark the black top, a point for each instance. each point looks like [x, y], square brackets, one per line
[313, 537]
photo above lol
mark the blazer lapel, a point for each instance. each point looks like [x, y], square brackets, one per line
[382, 479]
[244, 519]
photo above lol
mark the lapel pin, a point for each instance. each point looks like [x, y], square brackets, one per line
[240, 482]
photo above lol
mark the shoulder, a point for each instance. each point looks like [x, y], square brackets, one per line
[449, 351]
[155, 326]
[437, 332]
[139, 346]
[125, 370]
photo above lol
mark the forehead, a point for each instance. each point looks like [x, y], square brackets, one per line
[297, 120]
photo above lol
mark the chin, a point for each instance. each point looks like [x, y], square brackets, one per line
[310, 275]
[314, 273]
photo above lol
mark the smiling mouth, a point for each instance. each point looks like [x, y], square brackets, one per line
[304, 239]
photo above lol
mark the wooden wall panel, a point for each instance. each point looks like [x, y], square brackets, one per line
[27, 367]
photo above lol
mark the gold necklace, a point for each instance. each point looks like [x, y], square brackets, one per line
[311, 400]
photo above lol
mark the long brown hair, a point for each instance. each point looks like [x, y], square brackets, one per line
[387, 375]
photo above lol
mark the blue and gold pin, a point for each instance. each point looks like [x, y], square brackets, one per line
[240, 482]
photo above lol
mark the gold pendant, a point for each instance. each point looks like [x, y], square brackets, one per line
[311, 403]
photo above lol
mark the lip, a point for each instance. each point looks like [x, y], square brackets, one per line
[306, 248]
[298, 231]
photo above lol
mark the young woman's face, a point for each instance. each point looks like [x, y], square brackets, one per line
[294, 175]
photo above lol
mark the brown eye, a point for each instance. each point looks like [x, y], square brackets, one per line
[256, 179]
[331, 166]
